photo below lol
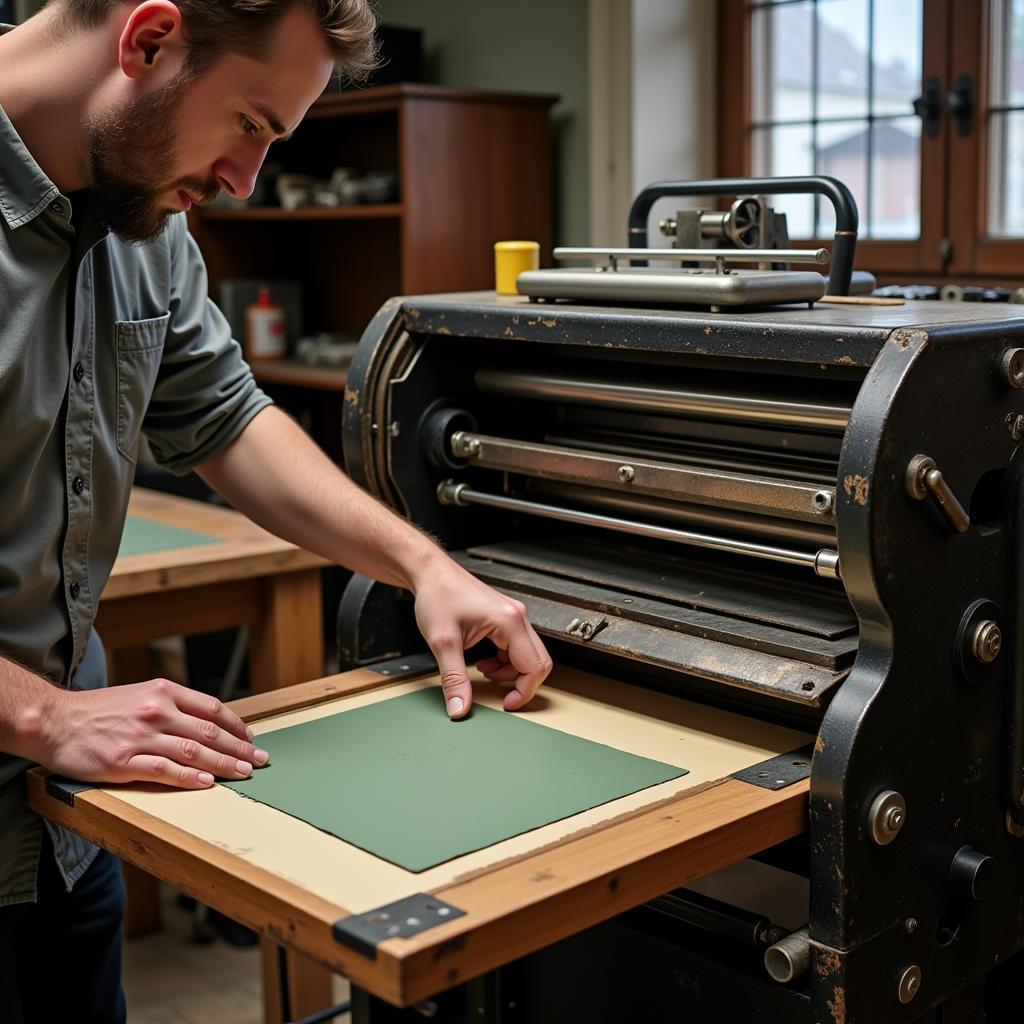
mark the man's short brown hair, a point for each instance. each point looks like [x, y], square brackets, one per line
[215, 27]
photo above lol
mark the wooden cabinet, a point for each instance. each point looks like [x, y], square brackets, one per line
[473, 168]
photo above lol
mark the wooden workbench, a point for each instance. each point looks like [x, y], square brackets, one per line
[248, 577]
[313, 891]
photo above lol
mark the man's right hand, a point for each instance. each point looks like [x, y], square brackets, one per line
[157, 731]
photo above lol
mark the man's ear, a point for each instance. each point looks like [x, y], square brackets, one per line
[152, 40]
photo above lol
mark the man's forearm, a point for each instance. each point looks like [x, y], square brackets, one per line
[279, 478]
[26, 703]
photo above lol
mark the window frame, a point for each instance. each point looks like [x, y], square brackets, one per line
[946, 158]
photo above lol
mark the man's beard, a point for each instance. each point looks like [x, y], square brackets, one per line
[129, 149]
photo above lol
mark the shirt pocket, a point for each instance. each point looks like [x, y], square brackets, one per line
[140, 346]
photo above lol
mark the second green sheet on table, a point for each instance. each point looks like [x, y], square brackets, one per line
[400, 780]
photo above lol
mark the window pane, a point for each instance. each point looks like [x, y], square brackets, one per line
[898, 45]
[782, 62]
[843, 154]
[895, 179]
[1007, 52]
[842, 58]
[784, 151]
[1006, 179]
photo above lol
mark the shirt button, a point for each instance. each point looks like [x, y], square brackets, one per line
[78, 484]
[75, 589]
[56, 206]
[79, 372]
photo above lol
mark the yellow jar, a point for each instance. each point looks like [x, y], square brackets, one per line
[510, 260]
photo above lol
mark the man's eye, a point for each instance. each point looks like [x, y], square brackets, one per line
[249, 127]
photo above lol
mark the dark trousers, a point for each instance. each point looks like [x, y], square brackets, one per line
[60, 958]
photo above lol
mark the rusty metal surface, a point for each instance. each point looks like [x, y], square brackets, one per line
[828, 335]
[755, 636]
[810, 609]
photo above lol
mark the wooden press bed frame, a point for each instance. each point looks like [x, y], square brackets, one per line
[517, 897]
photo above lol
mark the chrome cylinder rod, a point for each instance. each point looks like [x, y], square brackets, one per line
[712, 405]
[824, 562]
[820, 257]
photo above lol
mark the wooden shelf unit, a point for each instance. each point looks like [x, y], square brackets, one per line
[473, 167]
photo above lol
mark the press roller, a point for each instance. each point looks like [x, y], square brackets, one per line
[808, 514]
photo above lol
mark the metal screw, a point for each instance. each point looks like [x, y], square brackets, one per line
[910, 925]
[986, 641]
[586, 630]
[887, 816]
[1012, 366]
[893, 820]
[822, 501]
[910, 984]
[626, 474]
[667, 225]
[1015, 424]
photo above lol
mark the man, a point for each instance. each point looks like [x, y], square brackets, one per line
[114, 116]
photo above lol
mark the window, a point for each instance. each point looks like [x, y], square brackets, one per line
[918, 105]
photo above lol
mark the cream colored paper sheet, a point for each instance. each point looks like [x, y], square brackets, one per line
[711, 744]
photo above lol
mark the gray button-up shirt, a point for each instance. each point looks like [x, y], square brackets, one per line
[99, 341]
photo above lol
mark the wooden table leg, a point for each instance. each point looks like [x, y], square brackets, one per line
[309, 984]
[287, 644]
[287, 647]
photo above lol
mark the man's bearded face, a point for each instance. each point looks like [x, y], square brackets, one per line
[131, 153]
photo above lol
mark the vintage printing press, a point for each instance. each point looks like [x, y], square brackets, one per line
[675, 494]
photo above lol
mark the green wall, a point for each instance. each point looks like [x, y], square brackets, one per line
[518, 46]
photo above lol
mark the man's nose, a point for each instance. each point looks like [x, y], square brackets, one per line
[237, 174]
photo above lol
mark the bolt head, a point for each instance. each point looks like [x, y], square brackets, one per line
[1013, 367]
[886, 817]
[822, 501]
[986, 641]
[910, 984]
[910, 925]
[626, 474]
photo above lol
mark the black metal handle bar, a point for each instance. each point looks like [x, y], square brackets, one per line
[843, 246]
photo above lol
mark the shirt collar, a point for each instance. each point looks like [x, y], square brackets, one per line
[25, 191]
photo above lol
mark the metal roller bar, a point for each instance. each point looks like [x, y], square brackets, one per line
[824, 562]
[711, 405]
[747, 493]
[703, 517]
[819, 257]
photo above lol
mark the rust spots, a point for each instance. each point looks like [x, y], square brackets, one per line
[826, 962]
[352, 397]
[444, 330]
[856, 487]
[548, 321]
[710, 330]
[768, 333]
[905, 338]
[412, 312]
[837, 1005]
[845, 360]
[819, 744]
[509, 333]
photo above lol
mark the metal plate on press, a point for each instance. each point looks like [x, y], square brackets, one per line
[678, 287]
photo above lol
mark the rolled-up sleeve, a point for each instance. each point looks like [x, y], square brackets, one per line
[205, 394]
